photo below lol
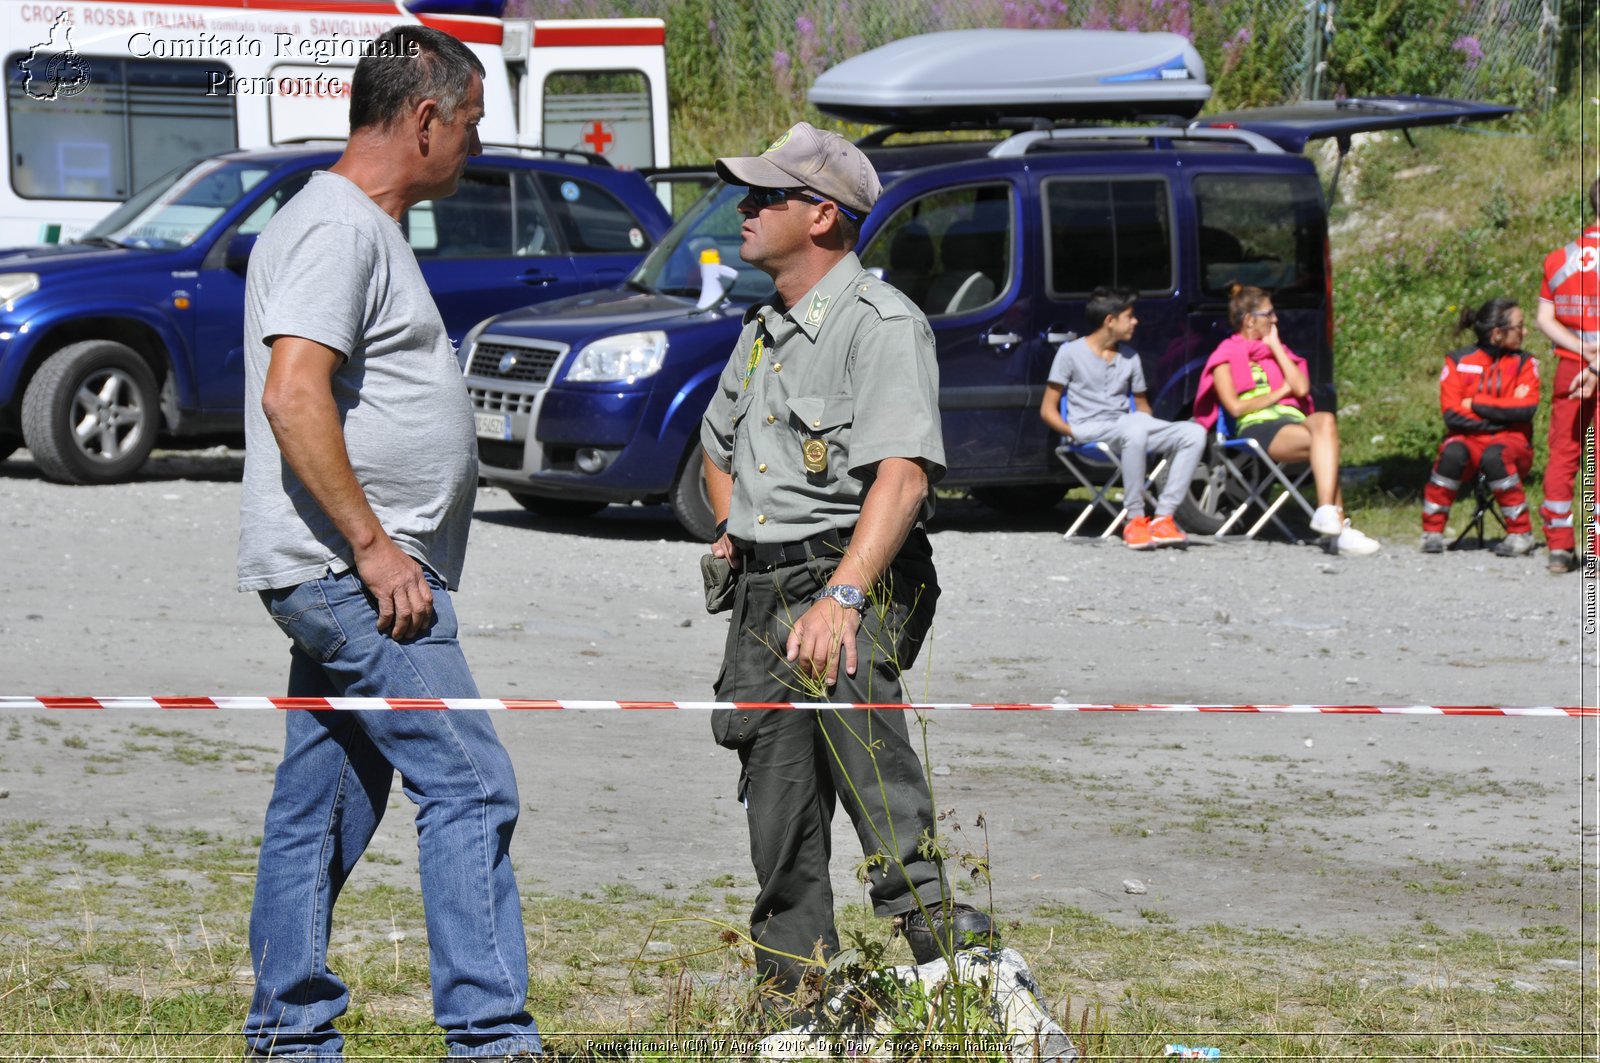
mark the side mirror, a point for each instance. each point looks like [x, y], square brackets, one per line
[237, 258]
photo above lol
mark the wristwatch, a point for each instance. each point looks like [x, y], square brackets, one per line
[846, 595]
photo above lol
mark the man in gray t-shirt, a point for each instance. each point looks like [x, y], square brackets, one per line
[1087, 400]
[360, 473]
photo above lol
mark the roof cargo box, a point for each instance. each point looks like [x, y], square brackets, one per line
[988, 74]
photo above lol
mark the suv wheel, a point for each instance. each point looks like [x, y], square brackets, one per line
[91, 413]
[1209, 501]
[1023, 499]
[558, 508]
[689, 500]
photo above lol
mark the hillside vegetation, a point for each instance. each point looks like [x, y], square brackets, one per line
[1462, 216]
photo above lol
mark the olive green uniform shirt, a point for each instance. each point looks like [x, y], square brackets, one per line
[814, 396]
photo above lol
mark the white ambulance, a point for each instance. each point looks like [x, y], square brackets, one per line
[103, 96]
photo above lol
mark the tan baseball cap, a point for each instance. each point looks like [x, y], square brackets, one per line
[826, 163]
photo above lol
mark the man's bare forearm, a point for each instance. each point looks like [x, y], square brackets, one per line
[891, 508]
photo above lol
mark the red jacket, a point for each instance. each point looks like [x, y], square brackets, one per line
[1489, 389]
[1572, 285]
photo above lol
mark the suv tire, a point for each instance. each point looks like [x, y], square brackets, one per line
[689, 501]
[558, 508]
[1210, 498]
[99, 381]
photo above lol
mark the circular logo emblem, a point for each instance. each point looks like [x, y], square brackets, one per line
[507, 362]
[67, 75]
[780, 142]
[569, 191]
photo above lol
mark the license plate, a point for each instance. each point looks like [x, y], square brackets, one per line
[494, 425]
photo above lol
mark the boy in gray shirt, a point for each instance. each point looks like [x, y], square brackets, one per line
[1097, 374]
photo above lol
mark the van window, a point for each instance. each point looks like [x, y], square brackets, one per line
[125, 129]
[949, 251]
[604, 112]
[591, 218]
[1262, 230]
[1114, 232]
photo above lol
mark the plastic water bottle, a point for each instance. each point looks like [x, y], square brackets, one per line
[713, 278]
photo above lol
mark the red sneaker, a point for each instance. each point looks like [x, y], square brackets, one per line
[1136, 534]
[1164, 531]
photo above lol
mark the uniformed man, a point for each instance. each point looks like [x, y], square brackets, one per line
[820, 448]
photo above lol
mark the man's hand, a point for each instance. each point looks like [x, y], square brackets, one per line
[398, 587]
[1584, 384]
[723, 548]
[817, 638]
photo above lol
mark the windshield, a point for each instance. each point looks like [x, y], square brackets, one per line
[673, 268]
[173, 210]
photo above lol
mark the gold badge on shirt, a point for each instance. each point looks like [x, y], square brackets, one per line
[814, 452]
[755, 360]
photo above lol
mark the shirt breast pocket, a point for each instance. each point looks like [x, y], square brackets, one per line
[823, 423]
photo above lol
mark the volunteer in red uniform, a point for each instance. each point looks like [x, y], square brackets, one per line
[1569, 314]
[1489, 394]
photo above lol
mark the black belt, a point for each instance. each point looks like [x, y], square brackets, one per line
[763, 557]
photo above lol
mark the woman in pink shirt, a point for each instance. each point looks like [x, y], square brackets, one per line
[1265, 389]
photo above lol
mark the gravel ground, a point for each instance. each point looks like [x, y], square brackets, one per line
[1321, 823]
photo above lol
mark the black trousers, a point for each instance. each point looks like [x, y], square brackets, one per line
[798, 765]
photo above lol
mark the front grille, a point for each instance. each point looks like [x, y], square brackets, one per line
[488, 400]
[532, 365]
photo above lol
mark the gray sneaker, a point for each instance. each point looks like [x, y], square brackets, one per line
[1562, 562]
[1517, 544]
[1433, 542]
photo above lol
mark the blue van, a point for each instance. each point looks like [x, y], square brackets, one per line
[136, 329]
[999, 238]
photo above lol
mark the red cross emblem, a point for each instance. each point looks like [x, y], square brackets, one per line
[598, 139]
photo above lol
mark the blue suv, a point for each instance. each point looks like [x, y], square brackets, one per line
[597, 399]
[136, 330]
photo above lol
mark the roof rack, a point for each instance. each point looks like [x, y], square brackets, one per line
[1022, 143]
[540, 149]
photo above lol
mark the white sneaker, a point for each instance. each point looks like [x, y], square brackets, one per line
[1357, 543]
[1325, 521]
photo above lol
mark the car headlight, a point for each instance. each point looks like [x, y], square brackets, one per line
[628, 356]
[14, 286]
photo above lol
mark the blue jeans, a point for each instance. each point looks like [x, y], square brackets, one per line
[330, 793]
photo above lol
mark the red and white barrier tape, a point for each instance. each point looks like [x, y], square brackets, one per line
[529, 704]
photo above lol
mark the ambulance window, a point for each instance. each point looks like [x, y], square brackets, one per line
[124, 129]
[603, 112]
[1260, 230]
[949, 251]
[592, 220]
[1111, 232]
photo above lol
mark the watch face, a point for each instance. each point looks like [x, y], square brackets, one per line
[847, 596]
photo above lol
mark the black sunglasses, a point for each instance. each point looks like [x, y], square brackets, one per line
[761, 198]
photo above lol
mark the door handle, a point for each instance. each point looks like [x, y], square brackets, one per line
[1001, 339]
[538, 277]
[1060, 337]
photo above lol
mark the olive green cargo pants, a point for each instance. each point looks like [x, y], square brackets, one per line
[797, 765]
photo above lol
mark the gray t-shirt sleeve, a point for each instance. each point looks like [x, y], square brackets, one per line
[895, 381]
[1061, 367]
[1137, 382]
[321, 288]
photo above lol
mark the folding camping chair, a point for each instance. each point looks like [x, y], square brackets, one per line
[1246, 463]
[1101, 459]
[1483, 505]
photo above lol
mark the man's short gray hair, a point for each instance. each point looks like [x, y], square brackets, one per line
[405, 66]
